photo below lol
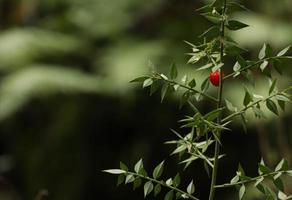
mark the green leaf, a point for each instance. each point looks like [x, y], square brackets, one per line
[147, 82]
[282, 98]
[282, 104]
[241, 192]
[164, 91]
[230, 106]
[259, 180]
[236, 25]
[213, 114]
[169, 182]
[264, 65]
[264, 169]
[276, 65]
[244, 123]
[121, 179]
[138, 166]
[282, 196]
[269, 51]
[173, 71]
[157, 189]
[262, 53]
[176, 180]
[137, 183]
[205, 84]
[284, 51]
[115, 171]
[179, 149]
[272, 106]
[247, 97]
[158, 170]
[123, 166]
[148, 187]
[279, 184]
[282, 165]
[237, 66]
[192, 83]
[129, 178]
[273, 85]
[235, 179]
[154, 87]
[191, 188]
[207, 66]
[169, 195]
[139, 79]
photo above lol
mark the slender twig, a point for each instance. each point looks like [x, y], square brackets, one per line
[250, 180]
[253, 104]
[220, 92]
[163, 184]
[191, 89]
[254, 64]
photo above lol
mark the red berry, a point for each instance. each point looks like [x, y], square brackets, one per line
[214, 78]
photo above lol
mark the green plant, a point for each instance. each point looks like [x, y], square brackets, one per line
[205, 129]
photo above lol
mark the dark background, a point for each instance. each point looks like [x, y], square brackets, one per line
[67, 110]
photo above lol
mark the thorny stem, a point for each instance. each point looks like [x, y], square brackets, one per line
[253, 104]
[220, 91]
[254, 64]
[249, 180]
[191, 89]
[163, 184]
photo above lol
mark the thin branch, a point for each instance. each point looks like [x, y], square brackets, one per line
[254, 64]
[163, 184]
[191, 89]
[250, 180]
[253, 104]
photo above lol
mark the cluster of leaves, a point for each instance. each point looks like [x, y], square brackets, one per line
[262, 181]
[206, 128]
[155, 183]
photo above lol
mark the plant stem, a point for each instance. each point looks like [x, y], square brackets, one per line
[251, 105]
[191, 89]
[220, 91]
[254, 64]
[163, 184]
[250, 180]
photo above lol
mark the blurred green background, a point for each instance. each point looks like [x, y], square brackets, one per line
[67, 110]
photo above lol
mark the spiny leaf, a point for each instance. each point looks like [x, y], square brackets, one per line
[191, 188]
[264, 65]
[272, 106]
[241, 192]
[262, 53]
[284, 51]
[158, 170]
[169, 195]
[138, 166]
[176, 180]
[123, 166]
[173, 71]
[157, 189]
[147, 82]
[129, 178]
[114, 171]
[148, 187]
[273, 85]
[236, 25]
[139, 79]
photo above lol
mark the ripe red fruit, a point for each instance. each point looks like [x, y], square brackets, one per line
[214, 78]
